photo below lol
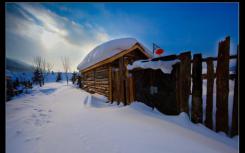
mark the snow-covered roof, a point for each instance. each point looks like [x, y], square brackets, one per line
[107, 50]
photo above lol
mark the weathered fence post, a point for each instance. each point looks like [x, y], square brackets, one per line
[209, 98]
[234, 128]
[175, 72]
[185, 81]
[196, 111]
[222, 86]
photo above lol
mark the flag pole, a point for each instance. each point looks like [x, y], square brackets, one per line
[153, 48]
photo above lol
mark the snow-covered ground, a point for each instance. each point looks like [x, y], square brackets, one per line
[57, 118]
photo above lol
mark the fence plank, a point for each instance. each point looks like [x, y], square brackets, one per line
[196, 112]
[209, 99]
[175, 73]
[185, 81]
[122, 80]
[222, 86]
[234, 128]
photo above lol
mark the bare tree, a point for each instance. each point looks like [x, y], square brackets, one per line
[49, 67]
[66, 66]
[37, 62]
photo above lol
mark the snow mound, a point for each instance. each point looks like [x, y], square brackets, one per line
[165, 66]
[106, 50]
[95, 100]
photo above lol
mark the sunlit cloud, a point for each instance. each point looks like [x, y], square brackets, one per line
[58, 36]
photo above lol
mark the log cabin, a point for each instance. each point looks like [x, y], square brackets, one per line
[105, 72]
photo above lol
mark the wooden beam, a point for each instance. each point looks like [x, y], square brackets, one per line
[209, 99]
[122, 80]
[176, 75]
[234, 125]
[196, 111]
[185, 81]
[110, 83]
[222, 86]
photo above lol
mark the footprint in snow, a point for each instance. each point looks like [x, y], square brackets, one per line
[41, 114]
[34, 115]
[35, 138]
[18, 132]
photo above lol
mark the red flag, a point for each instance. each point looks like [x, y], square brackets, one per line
[157, 50]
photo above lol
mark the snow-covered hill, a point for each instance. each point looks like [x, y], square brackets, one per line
[17, 66]
[28, 75]
[57, 118]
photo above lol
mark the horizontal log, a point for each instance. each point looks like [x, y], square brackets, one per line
[106, 87]
[216, 58]
[173, 57]
[102, 70]
[104, 79]
[89, 79]
[102, 84]
[102, 88]
[101, 77]
[86, 82]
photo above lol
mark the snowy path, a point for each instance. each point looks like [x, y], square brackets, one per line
[62, 119]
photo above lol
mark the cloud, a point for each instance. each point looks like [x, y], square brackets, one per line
[43, 32]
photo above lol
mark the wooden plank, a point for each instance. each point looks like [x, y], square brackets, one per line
[216, 58]
[185, 81]
[122, 80]
[117, 84]
[234, 125]
[127, 98]
[222, 86]
[131, 91]
[176, 75]
[209, 99]
[117, 56]
[196, 112]
[110, 83]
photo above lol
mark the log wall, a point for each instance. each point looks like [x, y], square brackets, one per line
[97, 80]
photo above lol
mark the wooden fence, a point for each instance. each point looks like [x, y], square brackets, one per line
[184, 77]
[189, 71]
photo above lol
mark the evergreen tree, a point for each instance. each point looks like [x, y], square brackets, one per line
[73, 77]
[58, 77]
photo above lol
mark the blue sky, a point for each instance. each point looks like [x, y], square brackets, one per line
[53, 30]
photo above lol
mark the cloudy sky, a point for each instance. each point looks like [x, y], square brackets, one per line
[54, 30]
